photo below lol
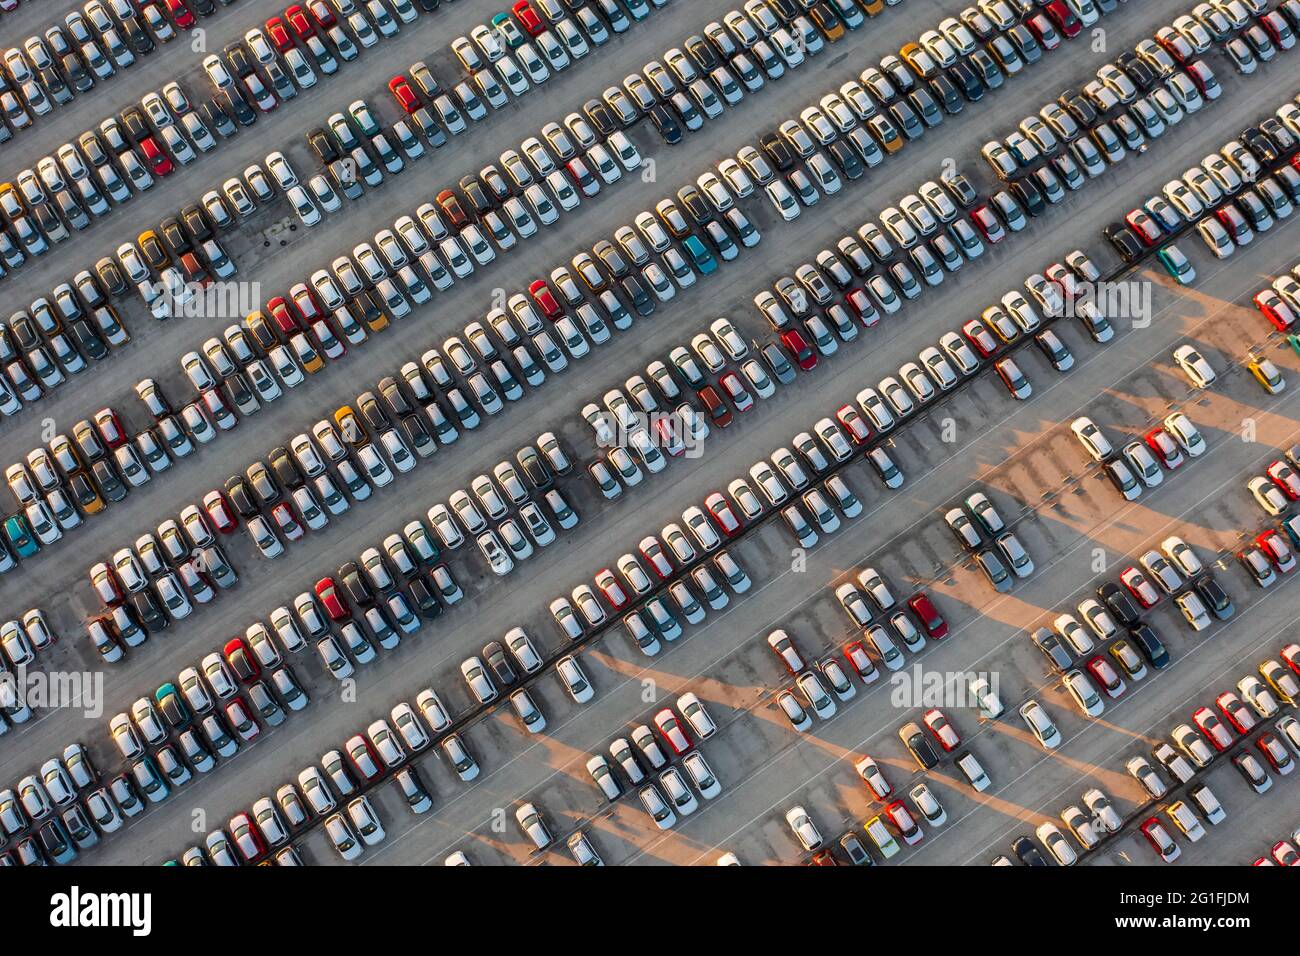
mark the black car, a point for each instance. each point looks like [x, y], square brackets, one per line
[86, 340]
[137, 36]
[642, 301]
[1123, 241]
[1024, 849]
[694, 202]
[474, 192]
[534, 468]
[232, 102]
[946, 92]
[1029, 195]
[174, 235]
[284, 468]
[1084, 113]
[1119, 603]
[424, 599]
[495, 657]
[702, 53]
[241, 496]
[1215, 597]
[196, 222]
[846, 159]
[1143, 77]
[217, 118]
[78, 75]
[110, 486]
[1053, 649]
[1260, 145]
[148, 611]
[920, 747]
[1145, 637]
[777, 151]
[323, 145]
[136, 126]
[356, 586]
[665, 123]
[601, 117]
[372, 414]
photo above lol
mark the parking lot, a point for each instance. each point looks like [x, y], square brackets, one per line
[1074, 523]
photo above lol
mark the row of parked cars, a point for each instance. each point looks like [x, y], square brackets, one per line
[91, 44]
[1231, 195]
[52, 815]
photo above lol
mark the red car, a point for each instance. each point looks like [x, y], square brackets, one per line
[1065, 19]
[1106, 677]
[903, 821]
[673, 731]
[452, 209]
[363, 757]
[740, 397]
[110, 428]
[241, 660]
[528, 18]
[1284, 476]
[304, 301]
[322, 14]
[328, 594]
[1275, 752]
[978, 335]
[278, 306]
[180, 13]
[1148, 231]
[1277, 550]
[1291, 654]
[545, 299]
[246, 838]
[1160, 840]
[1275, 310]
[1285, 854]
[798, 347]
[610, 587]
[723, 516]
[717, 409]
[218, 509]
[1165, 448]
[853, 423]
[401, 89]
[860, 661]
[668, 437]
[157, 159]
[943, 730]
[653, 552]
[1214, 729]
[987, 222]
[1241, 717]
[1140, 587]
[284, 518]
[933, 622]
[297, 18]
[863, 307]
[278, 35]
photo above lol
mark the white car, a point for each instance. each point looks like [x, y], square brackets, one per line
[803, 828]
[1040, 724]
[1195, 366]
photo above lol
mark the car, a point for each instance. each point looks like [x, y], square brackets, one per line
[801, 824]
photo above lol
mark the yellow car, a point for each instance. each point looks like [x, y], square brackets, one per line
[10, 201]
[375, 318]
[886, 133]
[308, 357]
[1266, 373]
[872, 7]
[84, 491]
[827, 22]
[919, 59]
[349, 426]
